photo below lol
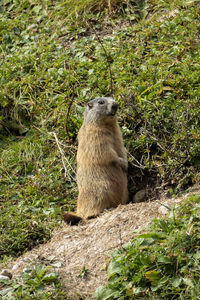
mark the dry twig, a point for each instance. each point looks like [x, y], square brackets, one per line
[67, 174]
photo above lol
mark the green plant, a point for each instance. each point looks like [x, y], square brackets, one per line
[160, 264]
[34, 283]
[84, 272]
[31, 194]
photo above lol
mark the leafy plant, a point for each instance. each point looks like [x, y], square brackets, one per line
[84, 272]
[34, 283]
[161, 264]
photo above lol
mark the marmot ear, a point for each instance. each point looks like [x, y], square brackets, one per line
[90, 105]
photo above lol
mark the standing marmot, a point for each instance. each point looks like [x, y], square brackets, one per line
[101, 161]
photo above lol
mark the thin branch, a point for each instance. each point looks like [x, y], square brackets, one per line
[67, 174]
[62, 153]
[140, 166]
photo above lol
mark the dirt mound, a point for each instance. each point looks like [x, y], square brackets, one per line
[86, 249]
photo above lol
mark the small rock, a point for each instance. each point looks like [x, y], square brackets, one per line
[26, 259]
[51, 257]
[164, 210]
[15, 267]
[6, 273]
[140, 196]
[2, 277]
[57, 264]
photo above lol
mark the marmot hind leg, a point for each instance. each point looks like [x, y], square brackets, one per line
[71, 219]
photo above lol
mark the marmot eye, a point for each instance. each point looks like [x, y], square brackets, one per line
[101, 101]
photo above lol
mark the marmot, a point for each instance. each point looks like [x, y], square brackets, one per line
[101, 161]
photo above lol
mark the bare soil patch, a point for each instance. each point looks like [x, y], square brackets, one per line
[89, 245]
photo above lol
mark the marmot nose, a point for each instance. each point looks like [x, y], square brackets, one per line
[114, 107]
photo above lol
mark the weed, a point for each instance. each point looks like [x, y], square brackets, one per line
[161, 264]
[36, 282]
[84, 272]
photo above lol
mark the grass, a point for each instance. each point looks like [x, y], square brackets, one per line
[162, 263]
[58, 55]
[31, 203]
[36, 282]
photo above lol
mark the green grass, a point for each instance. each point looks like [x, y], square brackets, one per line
[53, 62]
[162, 263]
[33, 193]
[36, 282]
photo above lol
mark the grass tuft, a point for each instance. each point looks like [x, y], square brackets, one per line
[36, 282]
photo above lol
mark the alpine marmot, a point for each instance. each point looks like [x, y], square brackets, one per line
[101, 161]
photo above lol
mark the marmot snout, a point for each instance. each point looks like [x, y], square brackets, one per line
[113, 108]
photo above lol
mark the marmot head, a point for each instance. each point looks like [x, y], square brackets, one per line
[102, 109]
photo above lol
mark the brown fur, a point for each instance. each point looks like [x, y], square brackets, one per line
[101, 161]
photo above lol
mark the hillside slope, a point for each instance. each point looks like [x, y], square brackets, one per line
[58, 55]
[86, 249]
[82, 254]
